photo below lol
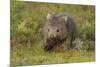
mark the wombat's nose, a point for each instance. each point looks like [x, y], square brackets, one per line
[51, 36]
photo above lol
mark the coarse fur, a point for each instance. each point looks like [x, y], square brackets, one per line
[59, 30]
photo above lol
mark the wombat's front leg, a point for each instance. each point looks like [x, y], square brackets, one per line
[59, 48]
[47, 46]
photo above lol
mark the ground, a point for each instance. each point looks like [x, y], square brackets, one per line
[36, 55]
[27, 21]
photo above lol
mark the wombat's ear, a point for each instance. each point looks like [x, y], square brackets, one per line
[64, 18]
[49, 16]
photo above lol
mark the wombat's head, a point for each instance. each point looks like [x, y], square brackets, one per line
[55, 27]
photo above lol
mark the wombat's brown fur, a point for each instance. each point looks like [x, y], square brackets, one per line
[59, 32]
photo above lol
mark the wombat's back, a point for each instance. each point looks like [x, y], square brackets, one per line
[70, 23]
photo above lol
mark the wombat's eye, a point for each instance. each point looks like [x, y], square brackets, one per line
[48, 29]
[57, 30]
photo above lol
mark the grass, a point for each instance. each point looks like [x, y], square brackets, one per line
[36, 55]
[27, 21]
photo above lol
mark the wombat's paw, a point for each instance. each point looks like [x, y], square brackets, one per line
[48, 48]
[59, 48]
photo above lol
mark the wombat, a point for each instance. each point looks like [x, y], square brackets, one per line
[59, 32]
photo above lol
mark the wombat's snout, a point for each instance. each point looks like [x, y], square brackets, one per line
[52, 36]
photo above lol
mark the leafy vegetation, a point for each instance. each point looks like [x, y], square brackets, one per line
[27, 21]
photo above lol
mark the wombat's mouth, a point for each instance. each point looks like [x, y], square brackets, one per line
[56, 40]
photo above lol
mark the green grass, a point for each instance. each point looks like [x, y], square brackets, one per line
[36, 55]
[27, 21]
